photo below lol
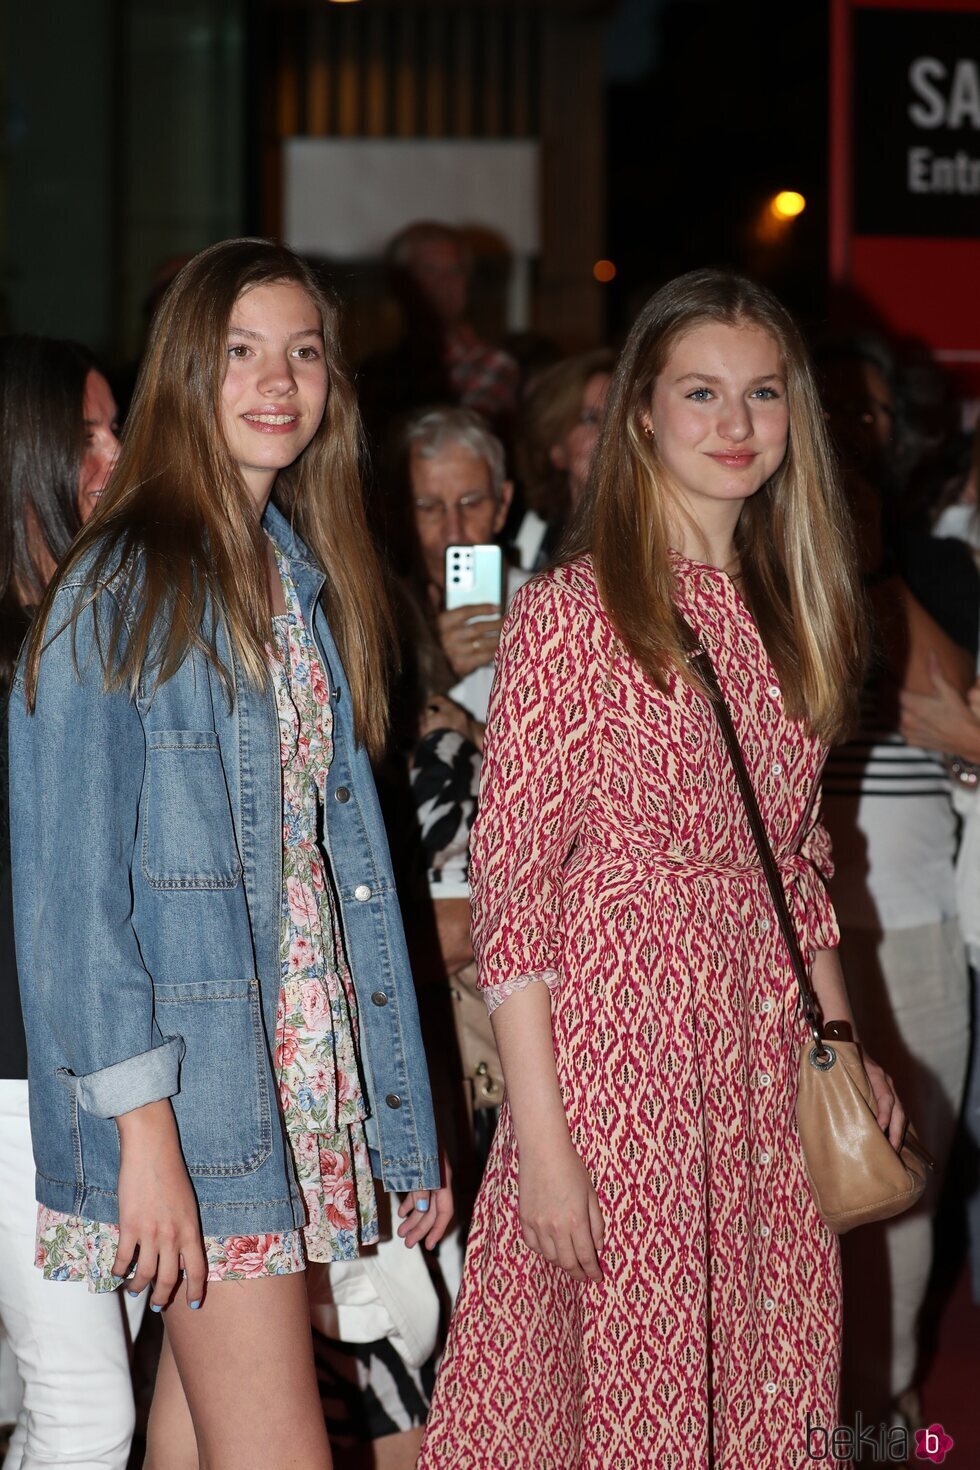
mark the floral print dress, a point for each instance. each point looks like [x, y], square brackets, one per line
[316, 1053]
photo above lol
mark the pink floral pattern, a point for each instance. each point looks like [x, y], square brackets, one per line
[316, 1045]
[70, 1249]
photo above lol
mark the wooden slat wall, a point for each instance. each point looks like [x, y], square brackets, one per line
[397, 70]
[457, 69]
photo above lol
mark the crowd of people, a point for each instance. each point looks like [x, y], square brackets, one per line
[391, 994]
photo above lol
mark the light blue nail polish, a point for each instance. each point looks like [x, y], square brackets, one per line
[422, 1205]
[155, 1308]
[119, 1280]
[194, 1306]
[134, 1293]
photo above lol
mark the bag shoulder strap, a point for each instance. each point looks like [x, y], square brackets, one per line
[700, 661]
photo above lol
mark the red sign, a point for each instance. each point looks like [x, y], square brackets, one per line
[905, 172]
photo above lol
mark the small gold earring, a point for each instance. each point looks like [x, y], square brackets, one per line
[648, 431]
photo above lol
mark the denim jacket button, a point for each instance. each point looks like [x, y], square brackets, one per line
[362, 893]
[342, 794]
[393, 1100]
[379, 998]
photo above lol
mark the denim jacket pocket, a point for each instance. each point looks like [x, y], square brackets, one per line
[188, 835]
[223, 1108]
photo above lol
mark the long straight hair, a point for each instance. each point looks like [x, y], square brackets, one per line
[42, 437]
[176, 531]
[793, 538]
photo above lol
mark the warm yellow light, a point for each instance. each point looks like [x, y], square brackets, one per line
[604, 271]
[787, 204]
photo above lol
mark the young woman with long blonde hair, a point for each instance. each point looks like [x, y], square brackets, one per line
[221, 1024]
[648, 1282]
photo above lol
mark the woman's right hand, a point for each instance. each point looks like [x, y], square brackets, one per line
[157, 1208]
[559, 1209]
[469, 636]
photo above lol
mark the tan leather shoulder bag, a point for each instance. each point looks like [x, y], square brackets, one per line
[855, 1174]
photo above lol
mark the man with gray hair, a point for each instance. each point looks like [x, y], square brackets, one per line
[460, 497]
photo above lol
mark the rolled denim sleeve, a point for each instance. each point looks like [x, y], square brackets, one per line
[151, 1075]
[76, 774]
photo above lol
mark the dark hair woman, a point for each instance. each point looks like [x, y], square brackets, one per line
[57, 446]
[234, 1047]
[647, 1279]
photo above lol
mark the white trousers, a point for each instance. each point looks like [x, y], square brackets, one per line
[71, 1346]
[910, 992]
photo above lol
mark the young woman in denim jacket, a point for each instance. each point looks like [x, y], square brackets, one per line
[222, 1029]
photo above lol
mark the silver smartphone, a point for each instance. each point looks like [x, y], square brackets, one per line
[474, 574]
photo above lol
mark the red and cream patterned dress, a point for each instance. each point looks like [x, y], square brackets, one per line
[612, 858]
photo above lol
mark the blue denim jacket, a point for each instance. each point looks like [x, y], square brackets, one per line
[147, 854]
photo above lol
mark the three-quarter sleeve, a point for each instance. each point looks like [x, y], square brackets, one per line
[539, 766]
[817, 921]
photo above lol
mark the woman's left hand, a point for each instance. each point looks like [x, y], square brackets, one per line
[441, 713]
[891, 1115]
[426, 1214]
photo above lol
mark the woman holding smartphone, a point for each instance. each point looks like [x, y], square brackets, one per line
[221, 1023]
[647, 1280]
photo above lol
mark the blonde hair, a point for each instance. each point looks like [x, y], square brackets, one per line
[552, 406]
[176, 529]
[793, 539]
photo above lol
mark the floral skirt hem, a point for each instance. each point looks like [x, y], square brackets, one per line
[341, 1208]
